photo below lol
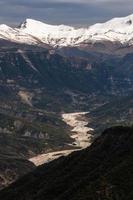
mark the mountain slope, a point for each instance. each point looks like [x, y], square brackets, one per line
[103, 171]
[26, 134]
[31, 76]
[117, 30]
[119, 111]
[12, 168]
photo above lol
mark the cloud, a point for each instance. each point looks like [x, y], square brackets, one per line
[77, 12]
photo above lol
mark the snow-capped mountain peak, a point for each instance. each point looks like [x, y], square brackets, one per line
[116, 24]
[33, 24]
[36, 32]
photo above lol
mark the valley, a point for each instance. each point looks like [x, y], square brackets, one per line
[32, 102]
[61, 89]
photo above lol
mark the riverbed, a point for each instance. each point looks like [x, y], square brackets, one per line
[80, 132]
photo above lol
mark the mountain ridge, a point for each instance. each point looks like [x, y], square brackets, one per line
[36, 32]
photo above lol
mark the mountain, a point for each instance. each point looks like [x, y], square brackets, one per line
[118, 111]
[116, 31]
[102, 171]
[46, 71]
[31, 77]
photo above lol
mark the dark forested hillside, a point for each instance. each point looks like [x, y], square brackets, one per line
[103, 171]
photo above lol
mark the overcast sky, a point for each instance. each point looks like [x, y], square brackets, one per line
[71, 12]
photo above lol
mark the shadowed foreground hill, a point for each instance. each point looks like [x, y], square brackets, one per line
[12, 168]
[102, 172]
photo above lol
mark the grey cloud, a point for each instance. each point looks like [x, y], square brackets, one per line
[75, 12]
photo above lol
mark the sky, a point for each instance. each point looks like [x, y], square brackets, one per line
[69, 12]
